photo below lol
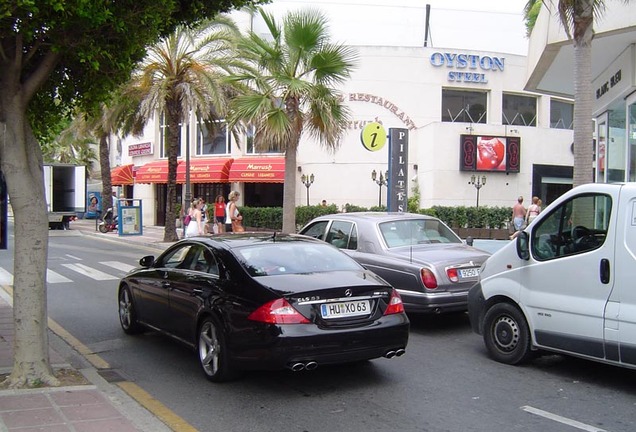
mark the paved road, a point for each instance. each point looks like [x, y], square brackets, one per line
[444, 383]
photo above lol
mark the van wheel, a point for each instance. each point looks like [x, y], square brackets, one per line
[506, 334]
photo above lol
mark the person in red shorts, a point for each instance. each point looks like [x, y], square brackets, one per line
[219, 213]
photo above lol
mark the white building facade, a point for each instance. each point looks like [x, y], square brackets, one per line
[466, 112]
[551, 62]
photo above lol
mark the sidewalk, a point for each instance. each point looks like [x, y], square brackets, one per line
[152, 235]
[99, 406]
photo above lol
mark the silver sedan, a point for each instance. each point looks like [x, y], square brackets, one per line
[430, 266]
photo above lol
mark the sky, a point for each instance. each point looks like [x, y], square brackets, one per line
[486, 25]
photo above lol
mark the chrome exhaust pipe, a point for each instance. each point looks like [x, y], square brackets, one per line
[297, 367]
[389, 354]
[400, 352]
[311, 365]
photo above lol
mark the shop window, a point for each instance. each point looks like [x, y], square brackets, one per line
[631, 110]
[519, 110]
[464, 106]
[251, 143]
[213, 138]
[561, 114]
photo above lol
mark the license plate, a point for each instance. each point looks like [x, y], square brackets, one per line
[345, 309]
[469, 273]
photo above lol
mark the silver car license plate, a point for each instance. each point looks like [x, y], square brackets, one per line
[345, 309]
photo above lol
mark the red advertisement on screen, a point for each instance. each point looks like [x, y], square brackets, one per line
[491, 153]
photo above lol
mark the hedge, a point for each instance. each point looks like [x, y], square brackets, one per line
[271, 218]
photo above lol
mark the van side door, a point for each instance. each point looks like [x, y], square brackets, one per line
[562, 284]
[621, 311]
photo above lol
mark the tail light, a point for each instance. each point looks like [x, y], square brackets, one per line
[428, 278]
[395, 304]
[278, 311]
[452, 274]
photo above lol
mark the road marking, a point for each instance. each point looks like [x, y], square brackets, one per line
[74, 257]
[564, 420]
[53, 277]
[6, 278]
[90, 272]
[118, 265]
[164, 413]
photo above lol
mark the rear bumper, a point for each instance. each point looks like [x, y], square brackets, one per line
[282, 346]
[434, 302]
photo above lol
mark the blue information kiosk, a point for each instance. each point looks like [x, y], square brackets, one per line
[130, 217]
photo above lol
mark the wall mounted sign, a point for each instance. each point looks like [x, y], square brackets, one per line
[385, 103]
[140, 149]
[373, 136]
[468, 68]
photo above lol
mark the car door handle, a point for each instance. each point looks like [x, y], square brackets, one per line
[605, 271]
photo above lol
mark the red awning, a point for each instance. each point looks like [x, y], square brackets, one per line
[258, 170]
[208, 170]
[154, 172]
[122, 175]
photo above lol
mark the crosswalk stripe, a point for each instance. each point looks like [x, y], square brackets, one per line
[74, 257]
[6, 278]
[118, 265]
[90, 272]
[54, 277]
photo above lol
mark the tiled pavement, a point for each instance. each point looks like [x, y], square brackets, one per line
[97, 407]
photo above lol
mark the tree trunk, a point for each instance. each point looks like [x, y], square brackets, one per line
[21, 164]
[173, 139]
[104, 164]
[583, 127]
[289, 190]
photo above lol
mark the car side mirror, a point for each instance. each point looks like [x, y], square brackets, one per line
[147, 261]
[523, 245]
[469, 240]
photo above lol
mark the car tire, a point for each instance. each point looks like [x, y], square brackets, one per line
[127, 313]
[212, 350]
[506, 334]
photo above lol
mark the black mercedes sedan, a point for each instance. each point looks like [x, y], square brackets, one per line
[264, 301]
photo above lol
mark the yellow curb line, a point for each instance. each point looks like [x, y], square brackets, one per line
[172, 420]
[164, 413]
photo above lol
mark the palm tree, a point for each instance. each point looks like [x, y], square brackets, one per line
[290, 74]
[71, 146]
[180, 75]
[577, 19]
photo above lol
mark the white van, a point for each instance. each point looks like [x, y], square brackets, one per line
[568, 282]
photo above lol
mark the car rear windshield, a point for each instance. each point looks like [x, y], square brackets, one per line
[416, 231]
[293, 258]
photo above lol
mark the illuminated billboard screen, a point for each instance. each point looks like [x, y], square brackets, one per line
[489, 153]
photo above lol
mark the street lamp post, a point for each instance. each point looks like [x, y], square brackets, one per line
[382, 181]
[478, 183]
[307, 181]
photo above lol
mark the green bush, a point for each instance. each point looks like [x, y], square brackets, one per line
[271, 218]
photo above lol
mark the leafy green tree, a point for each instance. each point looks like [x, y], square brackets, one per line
[55, 55]
[291, 72]
[577, 19]
[184, 73]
